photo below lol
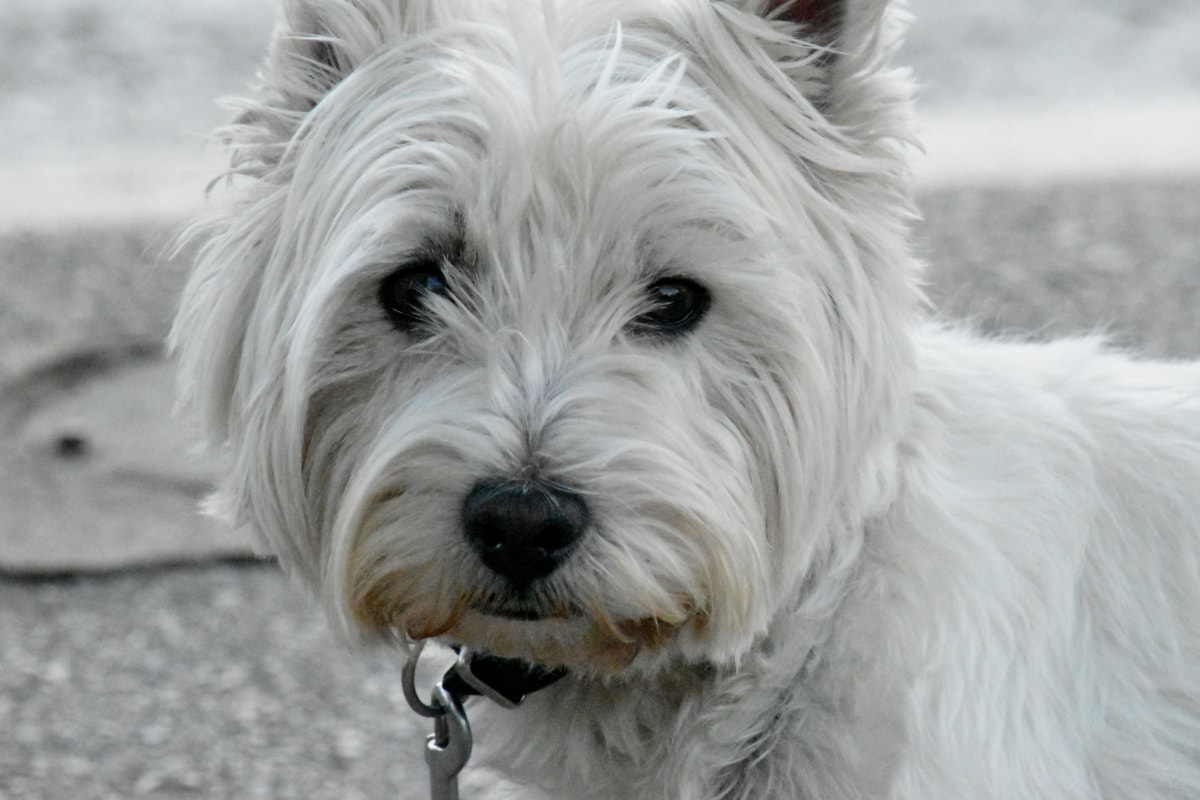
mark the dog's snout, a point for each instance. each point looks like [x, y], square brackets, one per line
[523, 530]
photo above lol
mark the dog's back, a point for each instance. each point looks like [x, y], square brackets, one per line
[1040, 574]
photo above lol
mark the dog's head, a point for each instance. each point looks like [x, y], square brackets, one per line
[572, 331]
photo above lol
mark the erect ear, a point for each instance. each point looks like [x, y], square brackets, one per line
[846, 30]
[316, 46]
[819, 21]
[320, 42]
[849, 44]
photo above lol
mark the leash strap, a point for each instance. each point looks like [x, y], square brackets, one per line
[505, 681]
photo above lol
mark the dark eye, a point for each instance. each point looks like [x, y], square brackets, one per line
[404, 293]
[676, 305]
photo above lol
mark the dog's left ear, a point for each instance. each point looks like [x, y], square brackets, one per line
[847, 32]
[819, 21]
[835, 51]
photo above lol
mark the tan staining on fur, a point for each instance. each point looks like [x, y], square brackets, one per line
[387, 604]
[379, 607]
[576, 642]
[609, 654]
[614, 644]
[614, 648]
[432, 628]
[604, 624]
[648, 633]
[374, 609]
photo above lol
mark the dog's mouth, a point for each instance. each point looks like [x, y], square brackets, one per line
[576, 641]
[524, 608]
[549, 623]
[518, 614]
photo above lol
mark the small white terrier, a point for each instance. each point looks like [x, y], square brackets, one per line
[586, 332]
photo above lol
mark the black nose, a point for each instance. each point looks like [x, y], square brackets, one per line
[523, 530]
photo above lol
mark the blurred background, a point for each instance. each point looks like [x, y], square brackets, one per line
[143, 651]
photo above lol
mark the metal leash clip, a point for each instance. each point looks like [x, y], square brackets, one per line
[504, 681]
[448, 748]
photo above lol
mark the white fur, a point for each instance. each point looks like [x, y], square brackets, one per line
[833, 552]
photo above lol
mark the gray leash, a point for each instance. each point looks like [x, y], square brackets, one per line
[504, 681]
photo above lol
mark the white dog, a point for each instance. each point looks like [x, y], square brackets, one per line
[586, 333]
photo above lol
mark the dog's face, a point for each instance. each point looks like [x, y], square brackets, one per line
[566, 332]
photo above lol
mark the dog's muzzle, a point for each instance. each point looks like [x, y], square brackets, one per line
[523, 530]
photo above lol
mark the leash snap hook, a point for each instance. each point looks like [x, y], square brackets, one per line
[504, 681]
[408, 682]
[448, 748]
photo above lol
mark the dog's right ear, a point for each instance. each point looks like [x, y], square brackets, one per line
[320, 42]
[316, 46]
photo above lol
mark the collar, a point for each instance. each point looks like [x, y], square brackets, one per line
[506, 681]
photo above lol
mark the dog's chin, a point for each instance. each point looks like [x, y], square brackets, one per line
[577, 642]
[518, 614]
[524, 607]
[536, 627]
